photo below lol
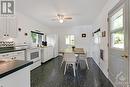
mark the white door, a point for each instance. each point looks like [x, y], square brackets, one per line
[118, 45]
[96, 44]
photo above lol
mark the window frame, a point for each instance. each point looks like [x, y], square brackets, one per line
[38, 35]
[112, 31]
[70, 41]
[97, 35]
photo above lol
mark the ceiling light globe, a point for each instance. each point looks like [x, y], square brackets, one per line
[61, 21]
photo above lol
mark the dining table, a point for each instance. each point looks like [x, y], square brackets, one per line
[77, 51]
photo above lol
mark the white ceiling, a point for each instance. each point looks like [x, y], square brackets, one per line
[83, 12]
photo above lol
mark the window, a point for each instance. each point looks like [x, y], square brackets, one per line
[117, 30]
[69, 40]
[97, 37]
[36, 37]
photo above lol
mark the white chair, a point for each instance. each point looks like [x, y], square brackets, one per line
[70, 59]
[63, 60]
[83, 57]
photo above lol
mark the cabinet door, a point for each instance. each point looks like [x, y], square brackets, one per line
[20, 55]
[50, 51]
[8, 26]
[19, 78]
[3, 26]
[45, 54]
[6, 56]
[12, 27]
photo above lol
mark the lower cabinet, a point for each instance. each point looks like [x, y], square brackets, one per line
[47, 53]
[20, 78]
[18, 55]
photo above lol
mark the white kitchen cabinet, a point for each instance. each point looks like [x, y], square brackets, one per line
[8, 26]
[2, 27]
[20, 78]
[46, 53]
[6, 55]
[52, 40]
[12, 27]
[18, 55]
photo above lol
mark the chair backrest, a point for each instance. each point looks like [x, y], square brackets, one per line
[83, 56]
[70, 57]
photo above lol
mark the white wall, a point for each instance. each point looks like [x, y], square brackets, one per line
[79, 41]
[28, 24]
[101, 22]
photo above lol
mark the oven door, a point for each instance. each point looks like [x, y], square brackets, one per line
[34, 54]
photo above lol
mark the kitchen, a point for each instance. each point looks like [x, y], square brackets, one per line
[21, 49]
[36, 52]
[36, 35]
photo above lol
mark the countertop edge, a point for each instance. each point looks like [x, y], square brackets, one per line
[7, 51]
[15, 69]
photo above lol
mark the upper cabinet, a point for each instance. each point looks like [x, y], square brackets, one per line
[8, 26]
[12, 27]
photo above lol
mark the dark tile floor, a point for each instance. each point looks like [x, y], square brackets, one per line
[51, 74]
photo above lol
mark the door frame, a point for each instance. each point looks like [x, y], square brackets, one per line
[127, 26]
[129, 36]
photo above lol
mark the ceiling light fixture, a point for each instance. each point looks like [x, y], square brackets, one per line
[60, 18]
[61, 21]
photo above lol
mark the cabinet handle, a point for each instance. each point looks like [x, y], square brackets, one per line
[4, 55]
[4, 34]
[14, 57]
[7, 34]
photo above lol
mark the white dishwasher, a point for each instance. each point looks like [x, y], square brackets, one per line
[46, 53]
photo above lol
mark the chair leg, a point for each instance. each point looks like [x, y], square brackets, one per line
[87, 63]
[77, 62]
[62, 63]
[74, 69]
[65, 68]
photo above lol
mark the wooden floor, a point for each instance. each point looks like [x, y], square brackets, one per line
[51, 74]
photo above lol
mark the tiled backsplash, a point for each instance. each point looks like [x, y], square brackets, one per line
[7, 44]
